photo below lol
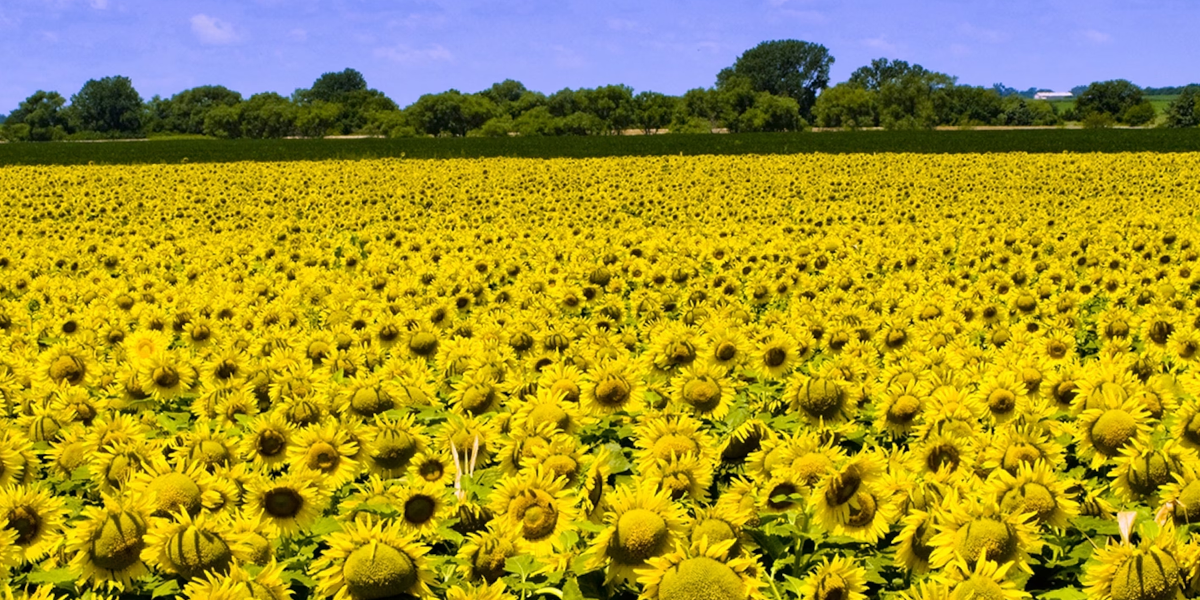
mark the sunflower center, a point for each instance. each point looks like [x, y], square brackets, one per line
[1019, 453]
[1192, 431]
[117, 544]
[726, 351]
[942, 456]
[701, 578]
[1001, 401]
[1149, 472]
[283, 503]
[393, 449]
[820, 398]
[704, 394]
[378, 571]
[193, 552]
[227, 369]
[843, 486]
[166, 377]
[539, 520]
[1117, 329]
[921, 541]
[677, 484]
[983, 588]
[370, 401]
[419, 509]
[831, 587]
[997, 540]
[1146, 576]
[1056, 349]
[562, 465]
[903, 410]
[681, 353]
[175, 491]
[674, 444]
[1160, 331]
[780, 496]
[774, 357]
[431, 470]
[895, 338]
[1032, 497]
[489, 560]
[270, 443]
[641, 534]
[322, 456]
[26, 522]
[811, 467]
[862, 510]
[715, 530]
[1112, 431]
[423, 343]
[612, 392]
[1187, 504]
[68, 369]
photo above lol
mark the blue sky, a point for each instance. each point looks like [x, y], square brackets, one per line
[409, 47]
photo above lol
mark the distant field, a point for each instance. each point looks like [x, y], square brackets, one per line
[177, 151]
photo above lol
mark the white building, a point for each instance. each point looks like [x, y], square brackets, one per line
[1053, 95]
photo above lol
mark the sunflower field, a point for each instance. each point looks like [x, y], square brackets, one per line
[825, 377]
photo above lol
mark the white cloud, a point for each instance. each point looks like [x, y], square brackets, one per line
[407, 55]
[211, 30]
[990, 36]
[626, 25]
[1096, 37]
[880, 43]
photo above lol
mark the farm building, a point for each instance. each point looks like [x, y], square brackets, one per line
[1052, 95]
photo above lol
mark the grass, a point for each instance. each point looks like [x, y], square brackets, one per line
[203, 150]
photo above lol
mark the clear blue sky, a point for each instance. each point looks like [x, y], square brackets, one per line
[409, 47]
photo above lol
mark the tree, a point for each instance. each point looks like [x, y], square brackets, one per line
[1184, 110]
[653, 111]
[697, 104]
[187, 110]
[315, 120]
[771, 113]
[792, 68]
[968, 105]
[846, 105]
[332, 87]
[611, 104]
[39, 118]
[882, 71]
[908, 100]
[267, 115]
[1019, 111]
[110, 106]
[1117, 98]
[735, 98]
[451, 112]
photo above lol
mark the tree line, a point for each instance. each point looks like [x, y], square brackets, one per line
[780, 85]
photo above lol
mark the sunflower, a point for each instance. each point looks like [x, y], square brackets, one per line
[288, 505]
[819, 400]
[899, 408]
[1101, 433]
[1147, 571]
[189, 547]
[725, 347]
[1016, 444]
[36, 516]
[680, 477]
[700, 572]
[266, 442]
[913, 547]
[611, 387]
[777, 354]
[944, 452]
[266, 584]
[422, 506]
[972, 528]
[435, 467]
[324, 451]
[367, 561]
[487, 591]
[836, 579]
[641, 524]
[107, 543]
[1182, 498]
[165, 376]
[848, 501]
[482, 556]
[989, 579]
[705, 389]
[1034, 488]
[65, 365]
[536, 507]
[1145, 466]
[660, 438]
[18, 463]
[392, 443]
[1004, 394]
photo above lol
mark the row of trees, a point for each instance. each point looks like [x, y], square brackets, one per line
[775, 86]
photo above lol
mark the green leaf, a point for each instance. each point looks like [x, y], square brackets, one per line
[524, 565]
[55, 576]
[1063, 594]
[167, 588]
[1096, 525]
[325, 526]
[571, 590]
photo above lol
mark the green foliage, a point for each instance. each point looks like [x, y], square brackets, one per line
[332, 87]
[653, 111]
[792, 68]
[846, 105]
[1117, 98]
[1184, 110]
[451, 113]
[186, 111]
[218, 150]
[108, 106]
[39, 118]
